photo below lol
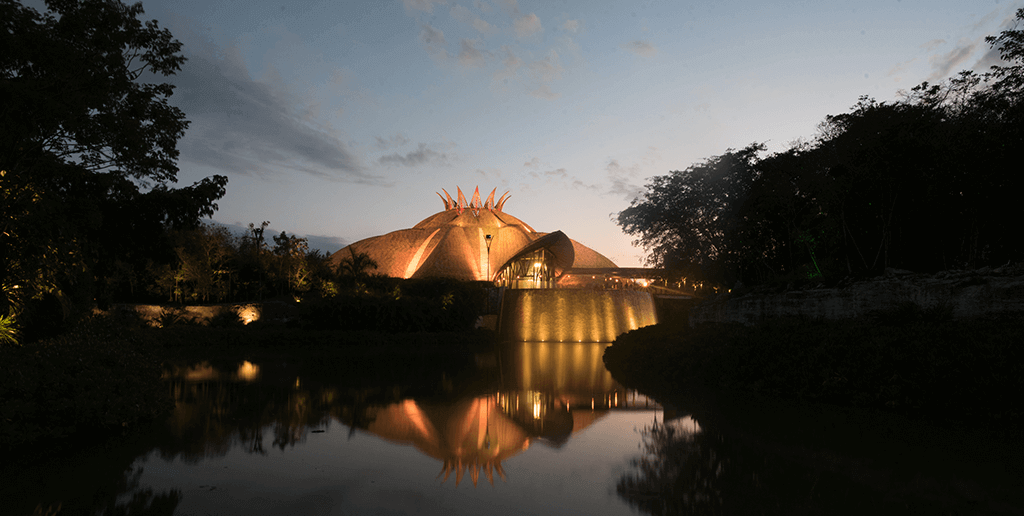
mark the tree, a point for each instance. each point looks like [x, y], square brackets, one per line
[87, 147]
[204, 256]
[71, 90]
[356, 266]
[292, 268]
[687, 219]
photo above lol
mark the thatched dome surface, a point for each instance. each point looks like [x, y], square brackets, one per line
[453, 244]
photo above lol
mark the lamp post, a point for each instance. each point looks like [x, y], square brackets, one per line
[487, 239]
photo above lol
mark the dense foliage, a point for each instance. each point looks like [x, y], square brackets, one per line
[100, 377]
[925, 183]
[911, 361]
[87, 155]
[394, 305]
[209, 264]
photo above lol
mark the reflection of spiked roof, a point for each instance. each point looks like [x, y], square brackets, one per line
[472, 436]
[453, 243]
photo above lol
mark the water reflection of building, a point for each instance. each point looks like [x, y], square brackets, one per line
[557, 389]
[549, 393]
[469, 436]
[544, 393]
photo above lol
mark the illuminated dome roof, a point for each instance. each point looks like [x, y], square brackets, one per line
[453, 243]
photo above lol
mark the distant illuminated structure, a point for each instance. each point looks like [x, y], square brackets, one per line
[555, 288]
[476, 241]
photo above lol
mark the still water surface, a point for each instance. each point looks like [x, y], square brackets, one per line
[533, 428]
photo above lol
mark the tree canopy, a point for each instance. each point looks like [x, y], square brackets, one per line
[88, 148]
[927, 182]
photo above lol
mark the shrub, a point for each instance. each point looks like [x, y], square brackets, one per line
[97, 377]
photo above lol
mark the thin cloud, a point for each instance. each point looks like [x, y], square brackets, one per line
[469, 55]
[510, 65]
[463, 14]
[943, 64]
[544, 92]
[421, 156]
[899, 68]
[527, 26]
[391, 142]
[991, 56]
[989, 59]
[426, 6]
[510, 6]
[547, 69]
[251, 127]
[622, 180]
[641, 48]
[535, 76]
[433, 40]
[580, 185]
[572, 26]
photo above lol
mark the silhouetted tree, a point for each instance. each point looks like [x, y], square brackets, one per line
[687, 219]
[88, 147]
[927, 182]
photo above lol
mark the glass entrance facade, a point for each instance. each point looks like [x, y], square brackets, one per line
[531, 270]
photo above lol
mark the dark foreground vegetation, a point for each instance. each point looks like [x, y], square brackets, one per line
[909, 361]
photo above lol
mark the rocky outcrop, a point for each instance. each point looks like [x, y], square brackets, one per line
[982, 293]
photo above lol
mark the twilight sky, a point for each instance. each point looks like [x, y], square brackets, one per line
[338, 120]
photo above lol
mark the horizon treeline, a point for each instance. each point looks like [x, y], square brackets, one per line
[929, 182]
[209, 264]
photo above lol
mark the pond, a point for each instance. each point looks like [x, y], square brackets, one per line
[532, 428]
[536, 428]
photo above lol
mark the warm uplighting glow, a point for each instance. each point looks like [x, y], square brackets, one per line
[201, 372]
[248, 313]
[574, 315]
[248, 371]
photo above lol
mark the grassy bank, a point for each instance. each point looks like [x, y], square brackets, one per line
[909, 363]
[100, 378]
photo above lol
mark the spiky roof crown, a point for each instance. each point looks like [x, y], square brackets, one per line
[474, 204]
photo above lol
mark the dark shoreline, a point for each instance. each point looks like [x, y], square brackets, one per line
[756, 393]
[960, 372]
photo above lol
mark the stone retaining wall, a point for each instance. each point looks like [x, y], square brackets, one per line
[154, 315]
[980, 293]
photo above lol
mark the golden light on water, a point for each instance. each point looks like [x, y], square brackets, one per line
[248, 371]
[200, 372]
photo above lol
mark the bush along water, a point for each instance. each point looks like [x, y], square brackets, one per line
[96, 380]
[911, 362]
[407, 306]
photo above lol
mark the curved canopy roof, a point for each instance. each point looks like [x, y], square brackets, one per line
[454, 243]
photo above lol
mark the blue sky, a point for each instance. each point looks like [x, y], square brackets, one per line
[338, 120]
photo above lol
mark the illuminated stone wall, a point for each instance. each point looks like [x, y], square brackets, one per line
[567, 315]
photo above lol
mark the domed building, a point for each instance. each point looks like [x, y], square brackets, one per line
[555, 288]
[476, 240]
